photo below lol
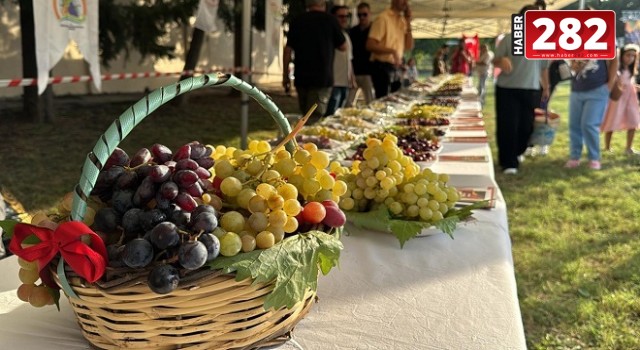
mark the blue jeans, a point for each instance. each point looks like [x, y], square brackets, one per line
[586, 111]
[337, 99]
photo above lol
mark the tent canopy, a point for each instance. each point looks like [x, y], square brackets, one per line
[433, 19]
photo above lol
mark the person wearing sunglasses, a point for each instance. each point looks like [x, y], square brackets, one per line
[390, 36]
[343, 77]
[361, 56]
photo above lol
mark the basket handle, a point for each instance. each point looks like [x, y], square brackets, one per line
[129, 119]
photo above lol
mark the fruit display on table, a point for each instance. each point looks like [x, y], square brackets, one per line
[411, 143]
[163, 214]
[332, 133]
[426, 112]
[388, 191]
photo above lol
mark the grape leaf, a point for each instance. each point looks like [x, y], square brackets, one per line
[404, 230]
[466, 211]
[7, 232]
[7, 227]
[380, 220]
[374, 220]
[448, 224]
[293, 264]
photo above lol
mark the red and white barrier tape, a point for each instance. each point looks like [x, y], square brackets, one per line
[121, 76]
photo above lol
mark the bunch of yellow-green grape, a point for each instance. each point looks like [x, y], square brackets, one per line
[266, 189]
[387, 176]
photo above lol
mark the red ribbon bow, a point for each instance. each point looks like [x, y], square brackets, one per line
[87, 260]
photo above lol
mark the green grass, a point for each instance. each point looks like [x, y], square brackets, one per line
[575, 244]
[574, 232]
[41, 162]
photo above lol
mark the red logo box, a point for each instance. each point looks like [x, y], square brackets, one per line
[580, 34]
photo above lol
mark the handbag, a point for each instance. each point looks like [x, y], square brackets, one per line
[559, 71]
[616, 90]
[544, 126]
[564, 71]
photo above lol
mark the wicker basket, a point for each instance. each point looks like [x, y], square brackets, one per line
[209, 310]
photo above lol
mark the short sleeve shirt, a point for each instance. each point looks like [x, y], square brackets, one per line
[525, 74]
[313, 36]
[388, 29]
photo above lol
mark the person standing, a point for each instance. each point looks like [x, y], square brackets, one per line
[461, 59]
[411, 72]
[390, 36]
[484, 68]
[590, 87]
[343, 77]
[313, 37]
[517, 95]
[361, 56]
[624, 114]
[439, 63]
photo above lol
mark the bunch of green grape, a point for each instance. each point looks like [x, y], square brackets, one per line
[387, 176]
[270, 191]
[32, 292]
[425, 197]
[378, 176]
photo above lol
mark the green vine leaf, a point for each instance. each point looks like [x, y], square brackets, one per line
[380, 219]
[404, 230]
[293, 264]
[7, 227]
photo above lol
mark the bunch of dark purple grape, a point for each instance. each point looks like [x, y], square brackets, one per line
[152, 219]
[424, 122]
[448, 101]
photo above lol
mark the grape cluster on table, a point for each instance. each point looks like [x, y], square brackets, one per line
[411, 144]
[424, 122]
[152, 219]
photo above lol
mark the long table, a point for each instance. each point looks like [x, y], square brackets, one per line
[436, 293]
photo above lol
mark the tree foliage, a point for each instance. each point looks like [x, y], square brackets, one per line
[230, 11]
[140, 25]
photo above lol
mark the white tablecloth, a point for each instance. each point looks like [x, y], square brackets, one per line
[436, 293]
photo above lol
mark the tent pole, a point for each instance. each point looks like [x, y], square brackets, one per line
[246, 62]
[582, 4]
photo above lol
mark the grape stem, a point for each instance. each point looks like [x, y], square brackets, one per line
[296, 129]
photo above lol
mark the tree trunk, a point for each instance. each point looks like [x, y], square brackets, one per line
[191, 61]
[35, 108]
[32, 109]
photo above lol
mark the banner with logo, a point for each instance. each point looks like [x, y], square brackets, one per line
[207, 15]
[272, 29]
[56, 23]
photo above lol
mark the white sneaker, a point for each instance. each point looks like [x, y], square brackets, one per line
[521, 158]
[510, 171]
[544, 150]
[530, 151]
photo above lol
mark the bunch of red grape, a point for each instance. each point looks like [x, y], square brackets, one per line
[155, 211]
[424, 122]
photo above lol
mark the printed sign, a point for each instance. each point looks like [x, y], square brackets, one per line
[580, 34]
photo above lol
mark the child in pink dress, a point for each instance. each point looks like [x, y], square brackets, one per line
[624, 114]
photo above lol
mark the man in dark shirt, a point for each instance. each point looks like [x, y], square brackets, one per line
[361, 56]
[313, 36]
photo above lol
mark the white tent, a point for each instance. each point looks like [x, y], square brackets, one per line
[452, 18]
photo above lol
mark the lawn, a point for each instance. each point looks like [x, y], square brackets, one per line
[574, 232]
[575, 244]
